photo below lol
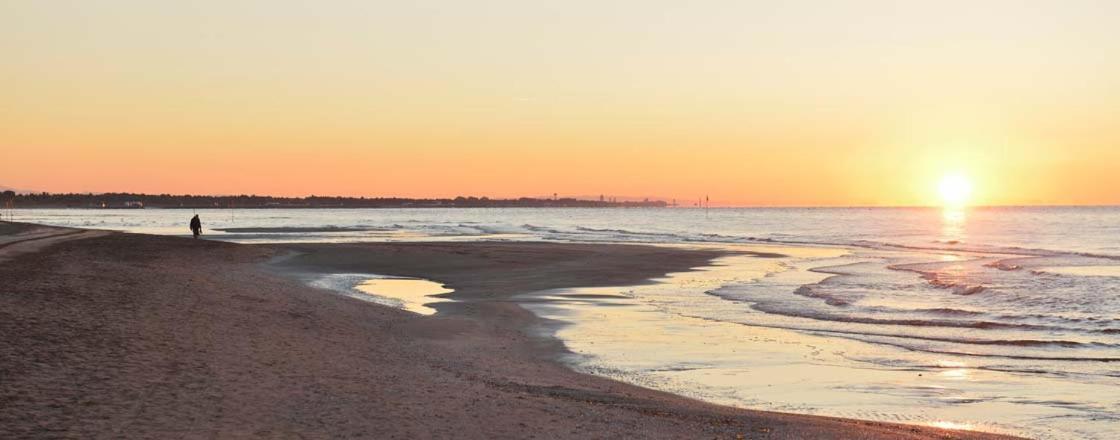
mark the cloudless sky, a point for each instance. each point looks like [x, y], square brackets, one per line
[752, 102]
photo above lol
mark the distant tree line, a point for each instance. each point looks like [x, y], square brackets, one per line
[168, 201]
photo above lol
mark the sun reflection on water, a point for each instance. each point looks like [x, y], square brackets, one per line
[952, 224]
[945, 424]
[953, 370]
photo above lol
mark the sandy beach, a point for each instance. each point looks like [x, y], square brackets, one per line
[140, 336]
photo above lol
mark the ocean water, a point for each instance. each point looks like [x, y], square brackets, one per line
[998, 319]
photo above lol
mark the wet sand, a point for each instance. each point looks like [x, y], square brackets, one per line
[126, 335]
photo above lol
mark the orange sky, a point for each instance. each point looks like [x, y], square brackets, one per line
[801, 103]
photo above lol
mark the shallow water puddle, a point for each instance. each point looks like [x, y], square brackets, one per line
[412, 294]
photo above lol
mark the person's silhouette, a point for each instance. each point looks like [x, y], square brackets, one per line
[196, 225]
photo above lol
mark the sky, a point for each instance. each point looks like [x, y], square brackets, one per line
[748, 102]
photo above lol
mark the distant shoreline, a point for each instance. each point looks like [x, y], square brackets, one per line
[324, 207]
[10, 199]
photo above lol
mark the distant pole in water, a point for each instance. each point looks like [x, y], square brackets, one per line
[707, 206]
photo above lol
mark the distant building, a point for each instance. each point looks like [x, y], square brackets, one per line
[131, 204]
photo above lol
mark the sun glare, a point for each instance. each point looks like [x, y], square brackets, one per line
[955, 190]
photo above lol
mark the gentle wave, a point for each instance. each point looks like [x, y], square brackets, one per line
[779, 309]
[868, 338]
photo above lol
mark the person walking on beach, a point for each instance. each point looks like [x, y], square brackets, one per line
[196, 225]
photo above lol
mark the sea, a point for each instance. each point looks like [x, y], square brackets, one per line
[1000, 319]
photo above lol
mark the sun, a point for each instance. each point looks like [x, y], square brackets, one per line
[955, 190]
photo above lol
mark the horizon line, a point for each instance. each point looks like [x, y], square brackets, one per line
[627, 198]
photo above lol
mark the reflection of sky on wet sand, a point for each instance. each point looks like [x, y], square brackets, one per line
[412, 294]
[952, 425]
[642, 338]
[954, 370]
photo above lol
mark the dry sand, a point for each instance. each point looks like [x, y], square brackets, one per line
[124, 335]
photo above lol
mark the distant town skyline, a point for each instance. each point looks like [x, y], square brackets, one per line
[860, 103]
[10, 200]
